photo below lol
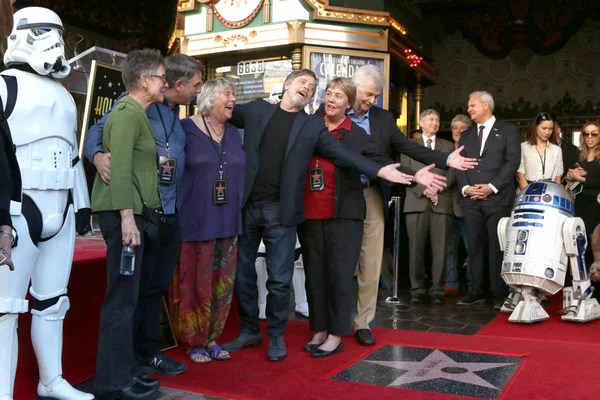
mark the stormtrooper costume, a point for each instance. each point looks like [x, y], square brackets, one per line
[298, 282]
[42, 119]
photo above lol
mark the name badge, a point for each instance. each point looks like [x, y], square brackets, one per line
[167, 168]
[317, 182]
[220, 191]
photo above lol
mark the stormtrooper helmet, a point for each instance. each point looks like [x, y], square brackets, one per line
[36, 40]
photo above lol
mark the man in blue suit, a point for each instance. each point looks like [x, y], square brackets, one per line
[279, 141]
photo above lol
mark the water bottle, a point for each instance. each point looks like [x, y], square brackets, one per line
[127, 260]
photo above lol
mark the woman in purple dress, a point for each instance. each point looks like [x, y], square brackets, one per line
[209, 203]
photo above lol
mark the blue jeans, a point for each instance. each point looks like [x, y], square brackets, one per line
[457, 231]
[261, 220]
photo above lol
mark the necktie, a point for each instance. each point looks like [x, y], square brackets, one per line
[480, 137]
[429, 143]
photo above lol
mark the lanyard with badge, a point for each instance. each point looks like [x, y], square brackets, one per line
[543, 160]
[167, 166]
[317, 179]
[219, 185]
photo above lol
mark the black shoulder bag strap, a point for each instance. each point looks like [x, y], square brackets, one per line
[159, 212]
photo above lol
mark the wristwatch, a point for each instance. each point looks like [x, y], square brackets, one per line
[13, 237]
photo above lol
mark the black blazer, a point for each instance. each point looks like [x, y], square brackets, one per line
[386, 135]
[10, 174]
[498, 164]
[308, 136]
[349, 197]
[570, 155]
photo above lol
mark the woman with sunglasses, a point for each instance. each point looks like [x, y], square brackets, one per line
[588, 173]
[541, 158]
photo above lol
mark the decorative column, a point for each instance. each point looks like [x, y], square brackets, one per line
[297, 58]
[267, 12]
[418, 96]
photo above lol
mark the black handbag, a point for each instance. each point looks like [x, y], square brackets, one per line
[151, 218]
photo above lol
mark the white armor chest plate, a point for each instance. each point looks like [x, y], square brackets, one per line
[43, 127]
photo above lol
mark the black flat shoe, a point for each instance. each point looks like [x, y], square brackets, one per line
[310, 347]
[319, 353]
[364, 337]
[134, 392]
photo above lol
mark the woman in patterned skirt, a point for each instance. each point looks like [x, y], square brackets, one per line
[209, 202]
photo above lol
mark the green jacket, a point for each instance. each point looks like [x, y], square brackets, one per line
[128, 138]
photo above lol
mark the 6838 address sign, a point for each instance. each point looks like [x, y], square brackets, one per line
[250, 67]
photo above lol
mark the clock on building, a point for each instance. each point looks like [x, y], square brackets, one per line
[236, 13]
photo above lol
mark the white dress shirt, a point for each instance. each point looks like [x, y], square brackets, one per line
[487, 128]
[432, 137]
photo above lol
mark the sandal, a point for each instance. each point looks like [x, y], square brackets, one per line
[215, 352]
[198, 351]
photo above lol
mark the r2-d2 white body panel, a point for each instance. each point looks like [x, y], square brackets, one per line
[534, 254]
[539, 239]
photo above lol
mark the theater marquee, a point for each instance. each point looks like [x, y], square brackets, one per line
[328, 63]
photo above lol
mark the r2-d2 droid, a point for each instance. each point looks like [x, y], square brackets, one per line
[539, 239]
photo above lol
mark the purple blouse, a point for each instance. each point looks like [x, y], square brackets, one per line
[200, 218]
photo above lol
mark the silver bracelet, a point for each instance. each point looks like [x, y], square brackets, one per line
[10, 235]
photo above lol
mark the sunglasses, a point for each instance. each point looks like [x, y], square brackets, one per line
[545, 116]
[593, 133]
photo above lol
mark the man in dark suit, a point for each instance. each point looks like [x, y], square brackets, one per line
[382, 127]
[428, 214]
[487, 193]
[279, 141]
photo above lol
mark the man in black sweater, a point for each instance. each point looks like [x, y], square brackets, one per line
[279, 141]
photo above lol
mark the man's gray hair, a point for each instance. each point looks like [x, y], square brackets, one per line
[428, 112]
[369, 73]
[210, 91]
[484, 97]
[181, 67]
[461, 118]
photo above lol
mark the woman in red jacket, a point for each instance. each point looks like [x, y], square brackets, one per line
[332, 234]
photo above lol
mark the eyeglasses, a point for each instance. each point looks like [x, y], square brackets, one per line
[163, 78]
[545, 116]
[586, 134]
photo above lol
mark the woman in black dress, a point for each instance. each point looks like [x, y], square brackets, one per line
[587, 171]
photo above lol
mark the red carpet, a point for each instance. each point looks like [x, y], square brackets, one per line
[248, 375]
[559, 357]
[86, 292]
[552, 329]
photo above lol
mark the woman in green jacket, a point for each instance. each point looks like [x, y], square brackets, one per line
[129, 139]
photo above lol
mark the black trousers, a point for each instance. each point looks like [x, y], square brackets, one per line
[482, 225]
[157, 272]
[330, 252]
[115, 364]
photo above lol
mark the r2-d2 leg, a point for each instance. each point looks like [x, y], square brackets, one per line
[578, 304]
[528, 309]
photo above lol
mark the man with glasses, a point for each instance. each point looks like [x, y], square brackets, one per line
[487, 193]
[184, 77]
